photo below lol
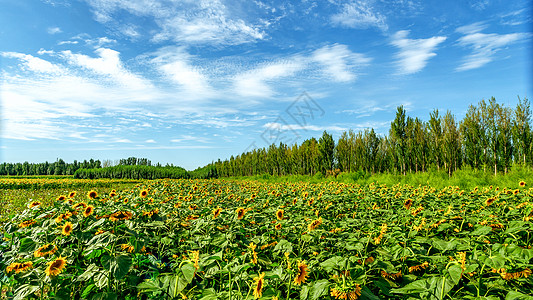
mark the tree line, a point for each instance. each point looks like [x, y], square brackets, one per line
[491, 137]
[60, 167]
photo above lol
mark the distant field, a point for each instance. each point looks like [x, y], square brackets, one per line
[228, 239]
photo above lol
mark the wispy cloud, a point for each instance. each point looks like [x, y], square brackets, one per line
[484, 45]
[359, 15]
[284, 127]
[414, 54]
[338, 62]
[175, 64]
[53, 30]
[183, 21]
[33, 63]
[255, 82]
[332, 63]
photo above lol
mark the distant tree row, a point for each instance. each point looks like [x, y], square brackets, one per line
[491, 137]
[133, 172]
[59, 167]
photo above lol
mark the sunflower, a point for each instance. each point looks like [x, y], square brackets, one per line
[88, 211]
[418, 267]
[44, 250]
[240, 212]
[19, 267]
[515, 192]
[346, 293]
[27, 223]
[61, 198]
[195, 257]
[127, 247]
[112, 194]
[72, 194]
[279, 214]
[259, 283]
[522, 183]
[92, 194]
[121, 215]
[66, 229]
[252, 246]
[78, 205]
[489, 201]
[34, 204]
[143, 193]
[278, 226]
[56, 266]
[391, 276]
[313, 225]
[302, 273]
[216, 212]
[407, 204]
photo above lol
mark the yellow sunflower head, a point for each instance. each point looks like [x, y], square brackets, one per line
[302, 273]
[279, 214]
[144, 193]
[66, 229]
[240, 212]
[88, 211]
[44, 250]
[522, 183]
[56, 266]
[34, 204]
[92, 194]
[72, 194]
[259, 283]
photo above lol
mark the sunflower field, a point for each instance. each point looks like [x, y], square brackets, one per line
[225, 239]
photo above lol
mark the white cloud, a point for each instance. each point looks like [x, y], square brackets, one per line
[255, 82]
[53, 30]
[33, 63]
[333, 63]
[359, 15]
[189, 138]
[484, 45]
[208, 21]
[67, 43]
[151, 141]
[176, 65]
[338, 61]
[108, 64]
[414, 53]
[284, 127]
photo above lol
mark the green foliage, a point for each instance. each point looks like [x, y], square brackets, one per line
[217, 239]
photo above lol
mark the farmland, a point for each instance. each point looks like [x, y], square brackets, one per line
[233, 239]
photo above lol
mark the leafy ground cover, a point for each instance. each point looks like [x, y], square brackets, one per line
[222, 239]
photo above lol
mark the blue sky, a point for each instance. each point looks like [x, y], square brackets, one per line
[187, 82]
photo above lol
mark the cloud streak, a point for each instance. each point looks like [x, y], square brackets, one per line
[484, 46]
[414, 54]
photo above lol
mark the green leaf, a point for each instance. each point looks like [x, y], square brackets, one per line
[105, 296]
[367, 294]
[120, 266]
[514, 295]
[418, 286]
[89, 273]
[319, 289]
[87, 291]
[283, 246]
[26, 245]
[188, 271]
[332, 263]
[304, 292]
[482, 230]
[455, 272]
[495, 261]
[444, 245]
[25, 290]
